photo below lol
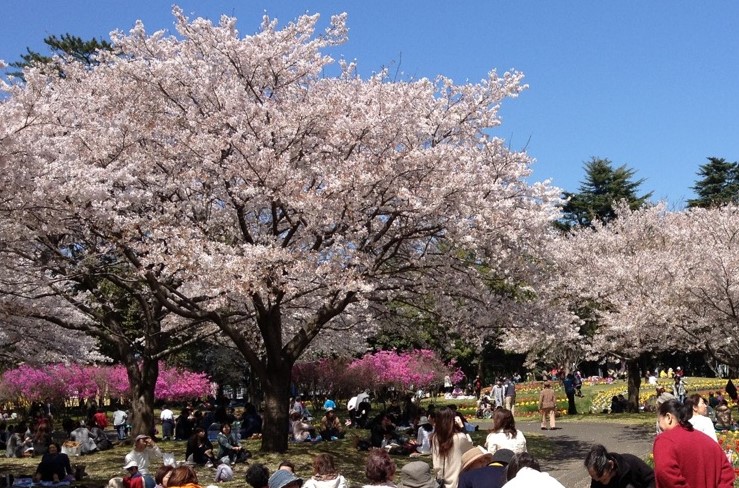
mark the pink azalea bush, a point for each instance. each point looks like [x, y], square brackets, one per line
[60, 382]
[382, 370]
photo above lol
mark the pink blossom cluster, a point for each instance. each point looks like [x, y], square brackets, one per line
[421, 368]
[63, 381]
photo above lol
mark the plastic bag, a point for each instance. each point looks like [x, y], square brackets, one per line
[169, 460]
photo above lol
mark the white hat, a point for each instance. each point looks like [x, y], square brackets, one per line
[131, 464]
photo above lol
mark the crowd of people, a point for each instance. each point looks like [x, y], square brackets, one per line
[685, 452]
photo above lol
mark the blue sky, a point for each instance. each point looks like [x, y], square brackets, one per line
[650, 84]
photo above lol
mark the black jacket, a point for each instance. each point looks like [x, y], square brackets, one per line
[631, 472]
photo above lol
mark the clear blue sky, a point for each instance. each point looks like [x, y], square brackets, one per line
[650, 84]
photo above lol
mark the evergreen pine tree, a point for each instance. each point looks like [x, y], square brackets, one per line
[719, 184]
[604, 186]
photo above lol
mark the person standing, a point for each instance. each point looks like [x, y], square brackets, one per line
[478, 386]
[498, 394]
[679, 388]
[167, 418]
[547, 405]
[569, 386]
[510, 396]
[120, 417]
[686, 457]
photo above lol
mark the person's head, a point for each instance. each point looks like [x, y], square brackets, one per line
[673, 413]
[226, 428]
[54, 448]
[162, 475]
[181, 476]
[132, 467]
[287, 466]
[296, 416]
[503, 422]
[698, 404]
[257, 476]
[600, 464]
[547, 384]
[521, 460]
[141, 442]
[323, 465]
[444, 430]
[380, 467]
[330, 414]
[660, 390]
[199, 432]
[283, 478]
[417, 474]
[476, 457]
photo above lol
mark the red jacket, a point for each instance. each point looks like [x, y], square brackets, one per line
[101, 420]
[690, 459]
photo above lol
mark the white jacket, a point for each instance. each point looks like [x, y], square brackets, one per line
[338, 482]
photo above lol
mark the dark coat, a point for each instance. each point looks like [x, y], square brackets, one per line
[631, 472]
[485, 477]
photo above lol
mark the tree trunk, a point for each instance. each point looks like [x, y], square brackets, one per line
[634, 382]
[142, 381]
[276, 389]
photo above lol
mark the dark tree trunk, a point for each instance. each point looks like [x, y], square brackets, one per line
[276, 388]
[634, 383]
[142, 378]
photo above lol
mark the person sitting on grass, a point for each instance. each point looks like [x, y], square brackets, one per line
[325, 474]
[331, 427]
[302, 431]
[134, 479]
[282, 478]
[54, 466]
[184, 477]
[162, 474]
[379, 470]
[504, 434]
[228, 446]
[143, 450]
[199, 449]
[611, 470]
[257, 476]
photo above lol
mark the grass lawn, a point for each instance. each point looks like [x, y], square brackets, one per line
[104, 465]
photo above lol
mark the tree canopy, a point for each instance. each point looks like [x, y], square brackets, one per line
[244, 188]
[602, 189]
[718, 184]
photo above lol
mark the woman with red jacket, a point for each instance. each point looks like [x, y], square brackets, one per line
[685, 457]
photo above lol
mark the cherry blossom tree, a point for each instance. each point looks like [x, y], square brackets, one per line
[624, 273]
[246, 188]
[705, 279]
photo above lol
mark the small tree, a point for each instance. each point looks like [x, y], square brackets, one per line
[599, 194]
[718, 184]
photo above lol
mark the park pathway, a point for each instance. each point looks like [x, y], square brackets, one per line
[572, 441]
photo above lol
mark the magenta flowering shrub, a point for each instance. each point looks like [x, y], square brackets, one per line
[59, 382]
[380, 371]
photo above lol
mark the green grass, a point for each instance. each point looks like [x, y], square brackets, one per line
[107, 464]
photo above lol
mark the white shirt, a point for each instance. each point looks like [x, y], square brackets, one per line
[527, 477]
[703, 424]
[119, 417]
[423, 441]
[143, 458]
[166, 414]
[501, 440]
